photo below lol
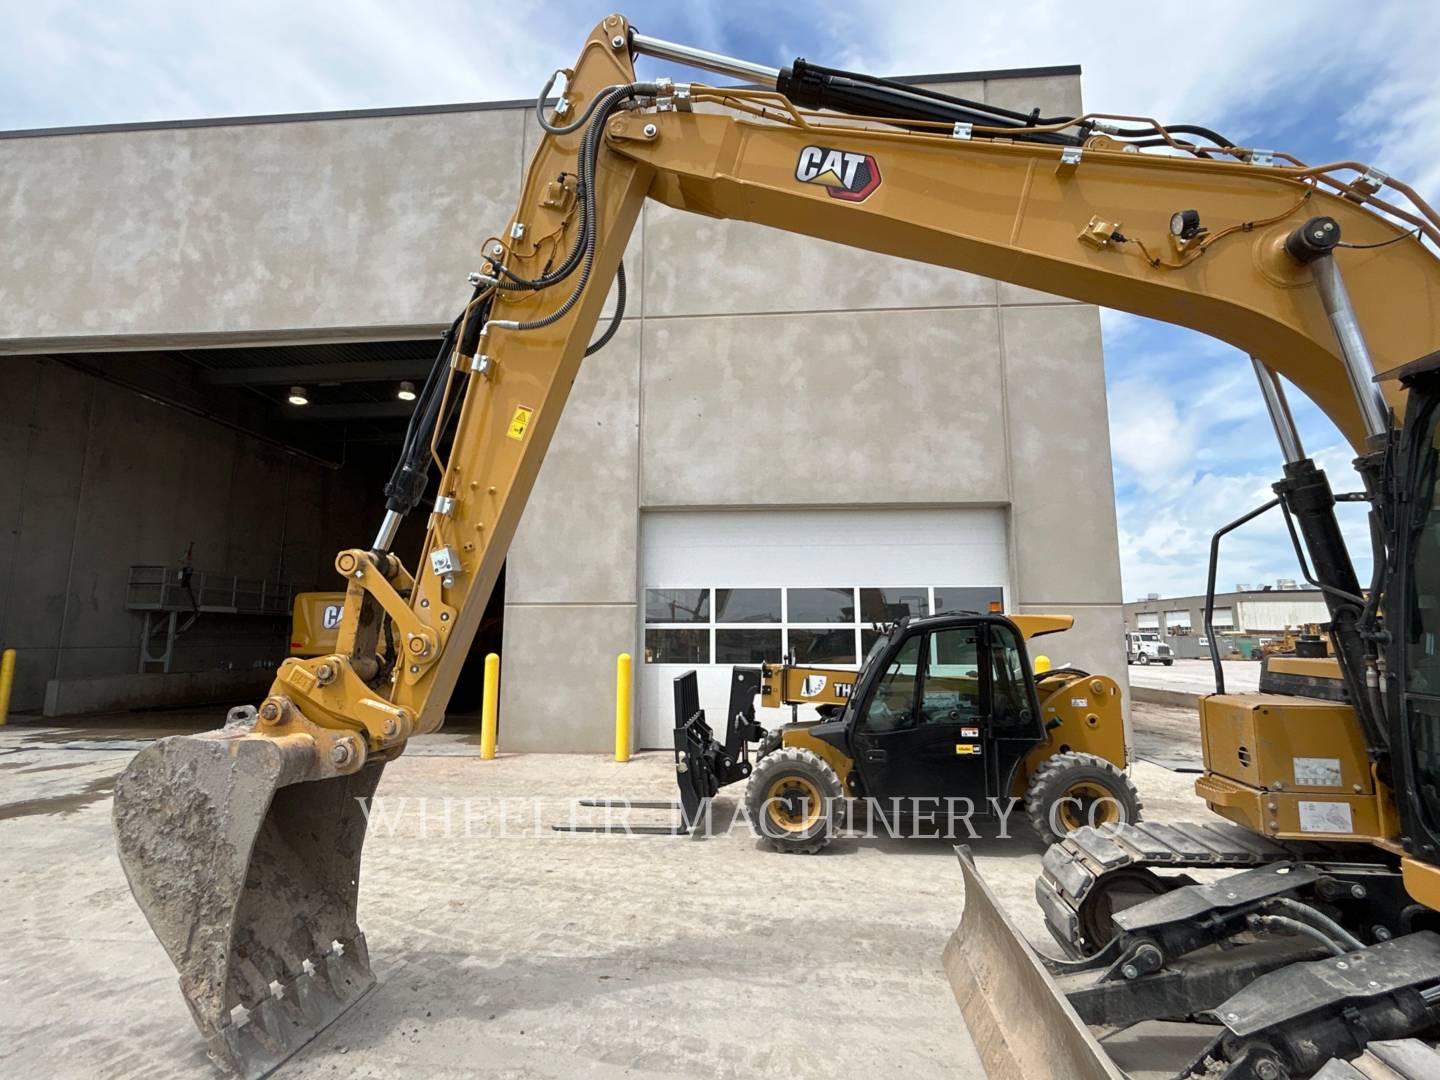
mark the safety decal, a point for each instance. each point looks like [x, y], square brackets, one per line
[1317, 772]
[519, 422]
[1326, 817]
[967, 748]
[969, 733]
[843, 173]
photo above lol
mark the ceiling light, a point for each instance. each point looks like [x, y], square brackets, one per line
[298, 396]
[406, 391]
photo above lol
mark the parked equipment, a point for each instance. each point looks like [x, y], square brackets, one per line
[944, 722]
[242, 845]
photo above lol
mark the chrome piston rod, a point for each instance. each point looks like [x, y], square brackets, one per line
[707, 61]
[1353, 351]
[1279, 410]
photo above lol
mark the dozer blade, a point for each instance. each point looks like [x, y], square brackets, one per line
[248, 872]
[1022, 1025]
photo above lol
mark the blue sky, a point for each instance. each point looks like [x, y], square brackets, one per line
[1192, 448]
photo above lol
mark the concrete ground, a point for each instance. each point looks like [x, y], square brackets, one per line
[513, 951]
[1197, 676]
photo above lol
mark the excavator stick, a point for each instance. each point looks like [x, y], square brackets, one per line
[1022, 1025]
[247, 868]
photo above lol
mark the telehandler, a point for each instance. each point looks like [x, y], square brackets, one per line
[943, 722]
[242, 845]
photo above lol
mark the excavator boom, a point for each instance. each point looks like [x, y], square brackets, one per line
[242, 846]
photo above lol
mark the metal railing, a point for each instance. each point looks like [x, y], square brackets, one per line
[170, 588]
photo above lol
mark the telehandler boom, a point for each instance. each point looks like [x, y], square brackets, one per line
[242, 845]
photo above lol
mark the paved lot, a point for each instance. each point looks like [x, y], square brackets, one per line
[532, 954]
[1197, 676]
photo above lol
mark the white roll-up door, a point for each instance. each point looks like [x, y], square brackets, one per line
[721, 587]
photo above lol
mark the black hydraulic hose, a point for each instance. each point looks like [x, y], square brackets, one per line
[589, 154]
[1030, 119]
[604, 339]
[1348, 597]
[1175, 129]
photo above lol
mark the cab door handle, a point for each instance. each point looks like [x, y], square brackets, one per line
[875, 755]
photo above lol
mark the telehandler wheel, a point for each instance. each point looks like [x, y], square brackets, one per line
[1073, 789]
[793, 800]
[768, 745]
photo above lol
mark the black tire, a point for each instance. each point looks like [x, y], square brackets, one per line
[1143, 659]
[768, 745]
[1168, 661]
[1067, 788]
[782, 802]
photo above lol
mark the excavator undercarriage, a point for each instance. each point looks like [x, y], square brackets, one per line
[1261, 958]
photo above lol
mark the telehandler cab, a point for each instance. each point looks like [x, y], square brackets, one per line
[944, 722]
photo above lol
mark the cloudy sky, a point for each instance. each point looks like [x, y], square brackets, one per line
[1192, 447]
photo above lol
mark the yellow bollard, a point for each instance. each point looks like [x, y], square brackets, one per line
[489, 707]
[1042, 664]
[622, 707]
[7, 680]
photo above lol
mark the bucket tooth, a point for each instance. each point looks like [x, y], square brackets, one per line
[1021, 1023]
[247, 869]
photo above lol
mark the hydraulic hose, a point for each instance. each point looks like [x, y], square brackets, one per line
[604, 339]
[1294, 926]
[1319, 920]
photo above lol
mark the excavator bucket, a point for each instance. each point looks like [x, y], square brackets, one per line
[1022, 1025]
[248, 874]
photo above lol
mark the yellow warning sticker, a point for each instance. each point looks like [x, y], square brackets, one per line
[519, 422]
[967, 748]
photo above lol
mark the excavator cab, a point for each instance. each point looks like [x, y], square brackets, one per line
[1318, 952]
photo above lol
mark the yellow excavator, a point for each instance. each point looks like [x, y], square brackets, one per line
[242, 846]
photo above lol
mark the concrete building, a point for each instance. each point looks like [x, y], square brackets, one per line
[166, 284]
[1243, 618]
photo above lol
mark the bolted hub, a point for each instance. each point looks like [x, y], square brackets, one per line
[270, 712]
[325, 674]
[342, 753]
[1313, 240]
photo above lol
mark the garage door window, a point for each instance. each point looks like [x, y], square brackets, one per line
[677, 605]
[670, 646]
[734, 646]
[764, 625]
[748, 606]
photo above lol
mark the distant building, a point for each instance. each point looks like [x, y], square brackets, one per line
[1242, 619]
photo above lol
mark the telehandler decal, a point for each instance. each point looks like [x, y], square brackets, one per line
[843, 173]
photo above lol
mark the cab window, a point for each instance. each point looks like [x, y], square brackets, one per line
[892, 705]
[951, 690]
[1009, 692]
